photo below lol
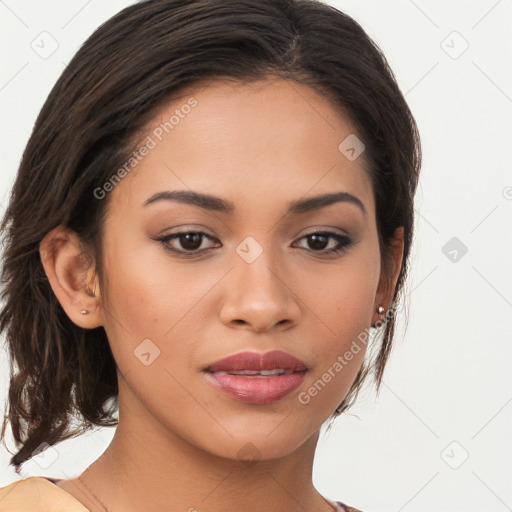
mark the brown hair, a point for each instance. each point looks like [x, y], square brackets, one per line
[132, 64]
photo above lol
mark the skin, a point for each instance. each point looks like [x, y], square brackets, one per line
[177, 446]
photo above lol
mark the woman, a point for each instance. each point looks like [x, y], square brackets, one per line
[208, 236]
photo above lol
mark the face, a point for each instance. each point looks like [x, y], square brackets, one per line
[193, 279]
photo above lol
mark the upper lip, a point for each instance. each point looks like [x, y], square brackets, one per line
[258, 361]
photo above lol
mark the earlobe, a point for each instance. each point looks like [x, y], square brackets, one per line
[71, 275]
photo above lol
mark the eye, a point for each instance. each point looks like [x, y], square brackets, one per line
[327, 242]
[191, 242]
[188, 241]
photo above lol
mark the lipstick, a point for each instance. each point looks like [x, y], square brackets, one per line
[257, 378]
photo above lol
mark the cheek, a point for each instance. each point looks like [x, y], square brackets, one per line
[341, 298]
[145, 290]
[141, 302]
[150, 297]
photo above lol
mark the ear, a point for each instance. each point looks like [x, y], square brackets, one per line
[72, 276]
[389, 275]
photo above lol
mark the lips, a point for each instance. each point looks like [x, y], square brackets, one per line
[256, 362]
[257, 378]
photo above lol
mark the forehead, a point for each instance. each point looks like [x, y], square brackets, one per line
[246, 141]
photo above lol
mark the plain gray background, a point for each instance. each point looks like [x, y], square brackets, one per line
[436, 437]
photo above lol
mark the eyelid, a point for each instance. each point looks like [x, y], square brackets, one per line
[311, 230]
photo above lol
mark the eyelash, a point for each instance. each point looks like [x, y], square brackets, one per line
[343, 242]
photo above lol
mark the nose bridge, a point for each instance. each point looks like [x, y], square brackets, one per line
[258, 267]
[258, 293]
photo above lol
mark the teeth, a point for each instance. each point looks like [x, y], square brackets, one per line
[277, 371]
[256, 373]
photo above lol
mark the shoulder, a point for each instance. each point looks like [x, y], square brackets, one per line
[37, 494]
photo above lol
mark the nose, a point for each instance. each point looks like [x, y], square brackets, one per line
[259, 296]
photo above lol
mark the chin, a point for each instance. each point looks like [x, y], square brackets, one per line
[259, 443]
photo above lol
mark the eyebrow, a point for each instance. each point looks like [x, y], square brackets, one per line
[214, 203]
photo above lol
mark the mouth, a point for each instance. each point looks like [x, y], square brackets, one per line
[256, 378]
[256, 373]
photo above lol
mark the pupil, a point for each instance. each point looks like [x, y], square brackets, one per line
[191, 241]
[315, 239]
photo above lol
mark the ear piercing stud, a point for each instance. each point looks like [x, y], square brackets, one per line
[84, 311]
[380, 311]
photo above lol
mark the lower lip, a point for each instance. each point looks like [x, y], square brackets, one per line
[256, 390]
